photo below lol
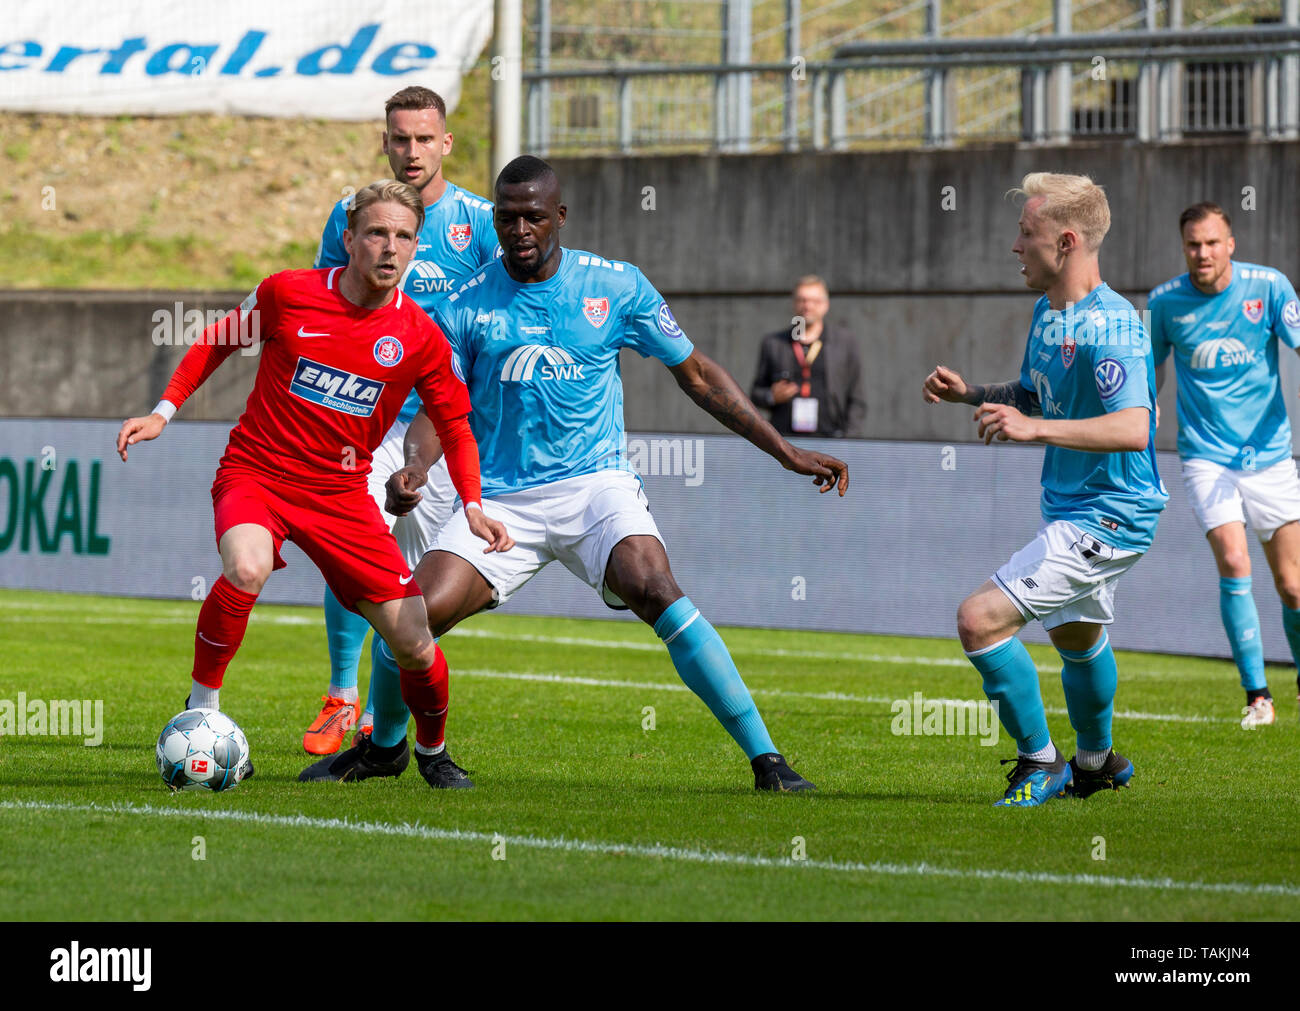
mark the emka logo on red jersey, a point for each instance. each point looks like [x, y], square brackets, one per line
[334, 388]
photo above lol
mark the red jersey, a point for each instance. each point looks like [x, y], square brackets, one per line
[332, 378]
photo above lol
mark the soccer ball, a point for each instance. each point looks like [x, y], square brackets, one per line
[202, 749]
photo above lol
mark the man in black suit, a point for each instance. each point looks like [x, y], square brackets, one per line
[809, 374]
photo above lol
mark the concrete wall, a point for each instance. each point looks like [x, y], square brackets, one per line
[919, 284]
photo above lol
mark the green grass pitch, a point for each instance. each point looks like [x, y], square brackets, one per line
[582, 813]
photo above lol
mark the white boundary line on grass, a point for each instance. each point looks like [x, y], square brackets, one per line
[574, 679]
[1125, 714]
[683, 854]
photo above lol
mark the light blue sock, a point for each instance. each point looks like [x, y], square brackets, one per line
[391, 714]
[345, 632]
[1090, 679]
[1291, 624]
[705, 665]
[1241, 622]
[1011, 680]
[368, 713]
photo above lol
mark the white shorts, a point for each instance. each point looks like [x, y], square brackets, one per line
[1065, 574]
[416, 531]
[1268, 498]
[576, 521]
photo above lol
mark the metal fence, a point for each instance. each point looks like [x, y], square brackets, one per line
[1148, 84]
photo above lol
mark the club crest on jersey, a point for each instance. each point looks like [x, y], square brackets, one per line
[334, 388]
[596, 310]
[1067, 351]
[1254, 309]
[388, 351]
[459, 236]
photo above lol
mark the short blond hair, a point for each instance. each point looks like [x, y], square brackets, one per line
[391, 191]
[807, 281]
[1074, 202]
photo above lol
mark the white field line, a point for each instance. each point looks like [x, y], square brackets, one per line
[567, 679]
[657, 851]
[654, 647]
[556, 640]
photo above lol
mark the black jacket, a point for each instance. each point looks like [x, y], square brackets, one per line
[836, 382]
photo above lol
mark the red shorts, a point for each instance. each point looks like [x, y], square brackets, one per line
[342, 532]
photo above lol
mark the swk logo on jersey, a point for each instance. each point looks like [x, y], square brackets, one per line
[424, 277]
[596, 310]
[1254, 309]
[459, 236]
[334, 388]
[555, 363]
[1221, 351]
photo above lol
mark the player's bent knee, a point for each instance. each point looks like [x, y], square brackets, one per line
[1236, 565]
[1076, 636]
[971, 623]
[442, 615]
[653, 594]
[248, 573]
[1288, 588]
[414, 653]
[980, 624]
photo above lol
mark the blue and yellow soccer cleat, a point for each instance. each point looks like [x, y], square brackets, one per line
[1114, 773]
[1031, 783]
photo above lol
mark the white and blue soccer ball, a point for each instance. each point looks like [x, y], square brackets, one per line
[202, 749]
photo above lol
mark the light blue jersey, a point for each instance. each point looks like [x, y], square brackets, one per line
[541, 363]
[1231, 409]
[1090, 360]
[457, 236]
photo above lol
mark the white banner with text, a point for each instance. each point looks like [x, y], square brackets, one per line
[293, 58]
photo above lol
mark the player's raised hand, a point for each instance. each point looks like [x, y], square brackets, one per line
[826, 471]
[135, 430]
[402, 490]
[944, 384]
[490, 530]
[1005, 422]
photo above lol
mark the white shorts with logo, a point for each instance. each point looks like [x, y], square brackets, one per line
[1065, 574]
[577, 521]
[415, 532]
[1268, 498]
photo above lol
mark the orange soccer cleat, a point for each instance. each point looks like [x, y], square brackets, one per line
[325, 735]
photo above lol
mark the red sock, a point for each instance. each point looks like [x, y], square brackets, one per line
[222, 621]
[427, 693]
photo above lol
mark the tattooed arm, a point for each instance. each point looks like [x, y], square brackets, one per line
[1023, 400]
[713, 389]
[945, 384]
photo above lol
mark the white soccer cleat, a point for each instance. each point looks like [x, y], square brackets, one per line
[1258, 714]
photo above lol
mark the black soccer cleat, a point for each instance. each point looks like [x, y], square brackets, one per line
[246, 770]
[357, 763]
[441, 773]
[772, 773]
[1116, 772]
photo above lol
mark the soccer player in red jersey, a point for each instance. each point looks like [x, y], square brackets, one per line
[341, 349]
